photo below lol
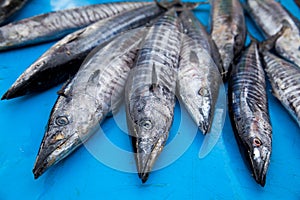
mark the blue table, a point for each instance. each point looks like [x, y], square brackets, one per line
[105, 167]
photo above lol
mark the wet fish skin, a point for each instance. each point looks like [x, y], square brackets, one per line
[228, 30]
[285, 80]
[198, 76]
[93, 93]
[198, 33]
[248, 109]
[63, 59]
[270, 17]
[150, 91]
[9, 7]
[55, 25]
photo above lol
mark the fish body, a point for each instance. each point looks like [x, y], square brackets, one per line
[93, 93]
[150, 91]
[9, 7]
[228, 30]
[55, 25]
[196, 31]
[63, 59]
[198, 76]
[270, 16]
[285, 80]
[248, 108]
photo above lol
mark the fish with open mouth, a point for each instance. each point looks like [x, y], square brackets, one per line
[248, 109]
[150, 91]
[228, 30]
[198, 79]
[9, 7]
[54, 25]
[64, 58]
[285, 80]
[270, 17]
[83, 103]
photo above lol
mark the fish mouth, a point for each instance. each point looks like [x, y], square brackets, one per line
[9, 94]
[48, 157]
[205, 125]
[259, 167]
[145, 159]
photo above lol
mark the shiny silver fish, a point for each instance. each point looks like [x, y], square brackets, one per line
[63, 59]
[9, 7]
[93, 93]
[150, 91]
[228, 29]
[270, 16]
[248, 108]
[285, 80]
[198, 76]
[55, 25]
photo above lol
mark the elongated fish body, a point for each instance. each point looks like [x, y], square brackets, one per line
[9, 7]
[285, 80]
[150, 91]
[270, 16]
[193, 28]
[198, 76]
[228, 29]
[64, 58]
[54, 25]
[248, 108]
[94, 92]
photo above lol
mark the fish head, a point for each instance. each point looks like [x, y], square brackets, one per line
[205, 108]
[67, 128]
[149, 120]
[201, 94]
[258, 154]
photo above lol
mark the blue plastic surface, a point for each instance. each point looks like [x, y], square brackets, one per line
[222, 174]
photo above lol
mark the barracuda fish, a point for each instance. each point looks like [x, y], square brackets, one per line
[198, 76]
[285, 80]
[228, 29]
[9, 7]
[150, 91]
[248, 108]
[95, 91]
[54, 25]
[64, 58]
[270, 16]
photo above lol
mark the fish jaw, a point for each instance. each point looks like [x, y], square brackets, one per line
[41, 76]
[70, 124]
[48, 157]
[148, 135]
[146, 155]
[199, 105]
[259, 160]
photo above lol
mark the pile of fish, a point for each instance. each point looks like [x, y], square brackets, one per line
[153, 53]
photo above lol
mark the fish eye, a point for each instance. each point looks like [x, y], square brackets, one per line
[203, 91]
[146, 124]
[61, 120]
[256, 142]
